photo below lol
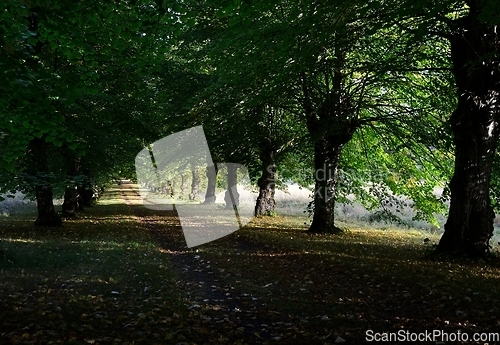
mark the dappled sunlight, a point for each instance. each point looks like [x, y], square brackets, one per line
[21, 240]
[173, 252]
[110, 201]
[271, 255]
[89, 274]
[117, 260]
[110, 218]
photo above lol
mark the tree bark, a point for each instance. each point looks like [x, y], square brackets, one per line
[266, 203]
[86, 194]
[47, 216]
[184, 184]
[327, 153]
[474, 53]
[232, 197]
[195, 185]
[173, 186]
[212, 184]
[70, 205]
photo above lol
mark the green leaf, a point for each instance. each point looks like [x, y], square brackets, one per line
[220, 13]
[176, 7]
[32, 41]
[44, 128]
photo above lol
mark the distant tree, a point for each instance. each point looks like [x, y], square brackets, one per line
[57, 70]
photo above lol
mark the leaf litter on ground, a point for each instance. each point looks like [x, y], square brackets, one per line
[122, 274]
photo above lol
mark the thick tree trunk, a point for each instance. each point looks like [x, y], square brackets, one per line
[476, 130]
[265, 203]
[70, 205]
[327, 153]
[195, 185]
[212, 184]
[47, 216]
[326, 162]
[232, 197]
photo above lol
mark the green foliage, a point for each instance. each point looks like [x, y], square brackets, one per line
[81, 83]
[490, 12]
[271, 213]
[99, 85]
[262, 53]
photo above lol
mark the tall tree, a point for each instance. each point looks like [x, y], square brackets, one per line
[475, 48]
[338, 66]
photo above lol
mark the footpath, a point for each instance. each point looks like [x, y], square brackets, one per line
[236, 316]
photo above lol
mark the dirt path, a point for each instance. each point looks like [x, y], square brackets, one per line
[208, 291]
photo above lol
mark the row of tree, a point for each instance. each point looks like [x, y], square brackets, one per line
[393, 78]
[379, 98]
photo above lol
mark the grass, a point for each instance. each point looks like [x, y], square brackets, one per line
[113, 276]
[98, 279]
[341, 286]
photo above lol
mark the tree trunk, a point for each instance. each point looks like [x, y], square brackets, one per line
[184, 184]
[173, 186]
[85, 196]
[170, 189]
[475, 127]
[331, 124]
[265, 203]
[212, 184]
[232, 197]
[326, 161]
[195, 185]
[47, 216]
[70, 205]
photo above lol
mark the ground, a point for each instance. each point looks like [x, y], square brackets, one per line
[122, 274]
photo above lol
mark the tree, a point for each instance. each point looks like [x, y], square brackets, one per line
[475, 48]
[58, 69]
[339, 67]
